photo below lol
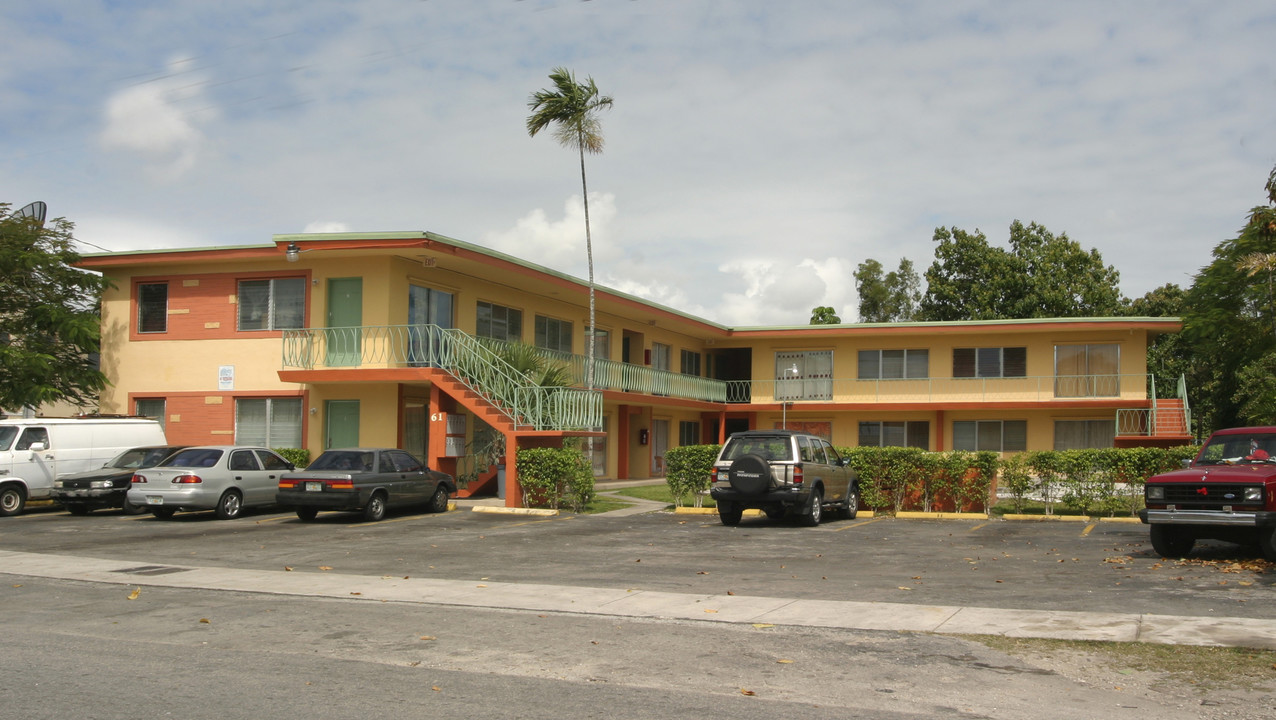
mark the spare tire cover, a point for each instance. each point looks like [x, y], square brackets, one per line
[750, 474]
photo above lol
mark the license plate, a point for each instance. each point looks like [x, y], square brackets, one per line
[314, 486]
[154, 500]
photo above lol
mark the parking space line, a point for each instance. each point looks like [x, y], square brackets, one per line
[858, 524]
[980, 525]
[1088, 528]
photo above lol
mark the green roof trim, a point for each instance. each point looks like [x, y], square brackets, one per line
[314, 238]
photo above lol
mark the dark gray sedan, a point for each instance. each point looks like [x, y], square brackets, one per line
[365, 480]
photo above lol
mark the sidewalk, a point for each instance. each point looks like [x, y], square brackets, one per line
[899, 617]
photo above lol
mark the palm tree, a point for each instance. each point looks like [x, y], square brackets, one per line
[573, 107]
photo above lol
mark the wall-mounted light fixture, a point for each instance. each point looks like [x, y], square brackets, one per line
[293, 252]
[314, 411]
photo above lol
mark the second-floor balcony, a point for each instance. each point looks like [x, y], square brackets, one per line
[397, 346]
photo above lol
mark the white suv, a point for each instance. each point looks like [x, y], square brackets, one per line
[779, 472]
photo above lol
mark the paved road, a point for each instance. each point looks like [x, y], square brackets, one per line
[657, 616]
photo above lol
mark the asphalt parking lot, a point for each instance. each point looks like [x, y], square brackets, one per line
[1068, 566]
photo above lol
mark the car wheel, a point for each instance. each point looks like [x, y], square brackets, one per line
[852, 507]
[307, 514]
[1267, 543]
[163, 513]
[814, 509]
[12, 500]
[230, 505]
[750, 474]
[1171, 542]
[77, 508]
[438, 503]
[730, 513]
[131, 509]
[375, 509]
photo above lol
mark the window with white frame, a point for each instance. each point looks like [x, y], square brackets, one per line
[992, 362]
[602, 343]
[1084, 434]
[898, 433]
[498, 322]
[894, 364]
[272, 304]
[805, 375]
[553, 334]
[661, 356]
[994, 435]
[688, 433]
[268, 422]
[1087, 370]
[152, 307]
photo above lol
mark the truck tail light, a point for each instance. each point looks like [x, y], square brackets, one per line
[713, 475]
[797, 474]
[187, 480]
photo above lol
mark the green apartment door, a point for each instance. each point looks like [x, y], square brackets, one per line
[342, 428]
[345, 316]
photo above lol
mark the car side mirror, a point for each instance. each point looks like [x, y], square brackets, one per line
[1186, 463]
[37, 447]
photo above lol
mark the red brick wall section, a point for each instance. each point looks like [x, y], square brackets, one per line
[200, 306]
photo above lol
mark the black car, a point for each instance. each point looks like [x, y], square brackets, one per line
[366, 480]
[107, 487]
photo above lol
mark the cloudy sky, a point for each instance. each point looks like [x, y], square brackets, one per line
[756, 153]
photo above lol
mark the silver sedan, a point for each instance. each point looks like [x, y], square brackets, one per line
[222, 478]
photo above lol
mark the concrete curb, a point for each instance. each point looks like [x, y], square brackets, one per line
[501, 510]
[628, 602]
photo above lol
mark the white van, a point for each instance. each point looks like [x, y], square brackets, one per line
[34, 451]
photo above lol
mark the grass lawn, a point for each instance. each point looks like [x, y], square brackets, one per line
[660, 493]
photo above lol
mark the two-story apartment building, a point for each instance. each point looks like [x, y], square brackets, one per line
[330, 340]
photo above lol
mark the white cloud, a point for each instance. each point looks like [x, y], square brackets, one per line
[153, 121]
[559, 243]
[326, 226]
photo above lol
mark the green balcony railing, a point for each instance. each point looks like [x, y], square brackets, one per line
[613, 375]
[939, 389]
[477, 365]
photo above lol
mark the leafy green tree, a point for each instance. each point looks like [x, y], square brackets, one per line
[49, 322]
[573, 108]
[1227, 323]
[824, 315]
[1041, 275]
[889, 297]
[1169, 357]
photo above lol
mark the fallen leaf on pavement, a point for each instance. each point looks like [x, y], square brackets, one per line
[134, 595]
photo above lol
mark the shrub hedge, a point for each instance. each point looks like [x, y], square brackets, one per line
[894, 479]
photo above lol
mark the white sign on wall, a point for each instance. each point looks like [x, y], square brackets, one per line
[226, 377]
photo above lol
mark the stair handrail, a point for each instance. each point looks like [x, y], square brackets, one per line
[477, 366]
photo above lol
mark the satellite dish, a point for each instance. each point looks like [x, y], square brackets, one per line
[35, 210]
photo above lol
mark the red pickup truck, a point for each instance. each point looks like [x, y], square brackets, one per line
[1227, 493]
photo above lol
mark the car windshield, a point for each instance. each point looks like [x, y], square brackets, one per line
[7, 434]
[344, 461]
[768, 447]
[194, 458]
[1244, 448]
[139, 458]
